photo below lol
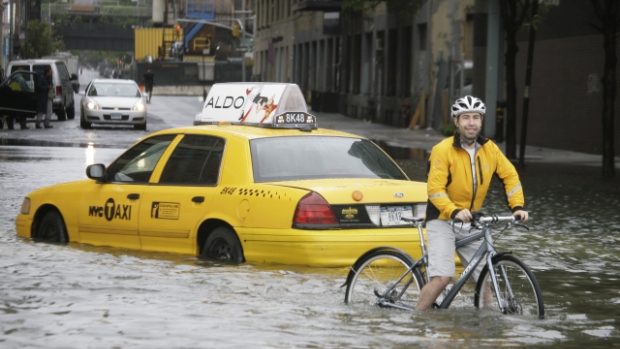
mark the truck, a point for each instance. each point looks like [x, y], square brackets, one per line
[70, 60]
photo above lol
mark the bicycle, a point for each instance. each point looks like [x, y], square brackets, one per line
[389, 277]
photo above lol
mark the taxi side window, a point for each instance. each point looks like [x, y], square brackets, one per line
[195, 161]
[137, 163]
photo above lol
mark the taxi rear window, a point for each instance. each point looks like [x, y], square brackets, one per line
[312, 157]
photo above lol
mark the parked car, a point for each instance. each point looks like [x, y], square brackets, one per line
[113, 101]
[258, 182]
[64, 85]
[18, 98]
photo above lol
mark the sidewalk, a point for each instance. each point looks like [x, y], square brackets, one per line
[169, 111]
[426, 139]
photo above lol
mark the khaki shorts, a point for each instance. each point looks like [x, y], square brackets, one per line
[441, 248]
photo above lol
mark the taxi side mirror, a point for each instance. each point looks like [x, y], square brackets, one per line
[96, 172]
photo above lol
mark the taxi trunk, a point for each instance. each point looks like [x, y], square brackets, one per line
[336, 221]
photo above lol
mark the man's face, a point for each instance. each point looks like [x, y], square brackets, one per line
[469, 125]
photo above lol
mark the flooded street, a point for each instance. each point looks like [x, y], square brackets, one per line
[79, 296]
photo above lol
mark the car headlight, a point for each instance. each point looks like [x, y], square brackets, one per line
[92, 105]
[25, 209]
[140, 106]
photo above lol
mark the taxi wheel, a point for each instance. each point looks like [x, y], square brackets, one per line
[223, 245]
[51, 228]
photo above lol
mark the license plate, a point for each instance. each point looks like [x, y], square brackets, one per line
[116, 116]
[391, 215]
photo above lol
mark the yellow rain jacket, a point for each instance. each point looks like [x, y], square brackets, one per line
[450, 181]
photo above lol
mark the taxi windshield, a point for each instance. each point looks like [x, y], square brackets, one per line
[311, 157]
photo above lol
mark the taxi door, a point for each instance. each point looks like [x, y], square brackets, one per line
[110, 211]
[109, 215]
[173, 209]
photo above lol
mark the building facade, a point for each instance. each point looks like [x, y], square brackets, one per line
[405, 70]
[566, 94]
[376, 64]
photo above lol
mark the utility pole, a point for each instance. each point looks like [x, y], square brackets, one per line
[244, 49]
[11, 21]
[429, 53]
[492, 71]
[455, 51]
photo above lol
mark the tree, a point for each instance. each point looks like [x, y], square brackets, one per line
[40, 40]
[608, 13]
[514, 13]
[538, 11]
[528, 81]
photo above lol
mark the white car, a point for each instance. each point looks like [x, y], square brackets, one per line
[113, 102]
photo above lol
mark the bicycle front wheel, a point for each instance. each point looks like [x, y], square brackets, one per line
[384, 277]
[518, 289]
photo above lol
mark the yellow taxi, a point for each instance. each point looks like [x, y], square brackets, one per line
[253, 180]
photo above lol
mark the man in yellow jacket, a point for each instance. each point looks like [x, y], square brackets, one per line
[460, 172]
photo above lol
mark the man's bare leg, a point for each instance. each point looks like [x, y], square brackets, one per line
[431, 291]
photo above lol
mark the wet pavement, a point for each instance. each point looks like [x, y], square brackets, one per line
[163, 112]
[79, 296]
[177, 111]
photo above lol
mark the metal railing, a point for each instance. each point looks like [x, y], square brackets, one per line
[99, 9]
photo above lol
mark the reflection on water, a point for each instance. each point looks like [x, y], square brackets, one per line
[83, 296]
[90, 153]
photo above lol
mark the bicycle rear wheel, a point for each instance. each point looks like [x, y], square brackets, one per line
[384, 277]
[518, 288]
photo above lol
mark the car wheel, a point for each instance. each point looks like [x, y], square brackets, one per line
[51, 228]
[10, 122]
[140, 127]
[71, 112]
[83, 123]
[222, 245]
[61, 114]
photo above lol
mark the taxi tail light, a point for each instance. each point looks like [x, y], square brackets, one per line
[59, 90]
[314, 212]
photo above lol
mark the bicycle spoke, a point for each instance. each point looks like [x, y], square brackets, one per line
[384, 279]
[518, 290]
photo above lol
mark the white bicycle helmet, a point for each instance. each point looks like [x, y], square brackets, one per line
[468, 104]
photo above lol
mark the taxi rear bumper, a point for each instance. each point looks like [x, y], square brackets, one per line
[323, 248]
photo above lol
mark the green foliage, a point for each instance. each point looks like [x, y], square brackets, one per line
[542, 10]
[447, 129]
[40, 40]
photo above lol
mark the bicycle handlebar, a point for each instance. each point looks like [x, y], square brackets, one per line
[496, 219]
[477, 217]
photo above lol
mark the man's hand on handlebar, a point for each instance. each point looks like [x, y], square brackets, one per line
[520, 215]
[464, 216]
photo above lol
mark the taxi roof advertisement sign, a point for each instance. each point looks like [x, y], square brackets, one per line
[251, 103]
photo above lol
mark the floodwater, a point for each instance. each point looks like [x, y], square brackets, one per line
[80, 296]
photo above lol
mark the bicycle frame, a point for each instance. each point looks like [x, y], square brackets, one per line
[485, 252]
